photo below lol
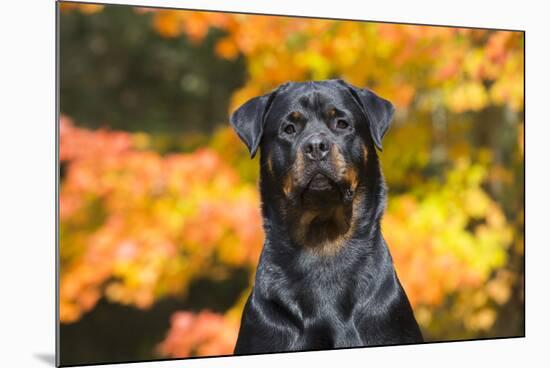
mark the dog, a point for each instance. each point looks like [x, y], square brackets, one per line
[325, 277]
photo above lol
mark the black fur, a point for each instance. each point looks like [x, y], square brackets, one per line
[325, 278]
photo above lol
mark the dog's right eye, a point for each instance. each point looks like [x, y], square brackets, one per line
[342, 124]
[289, 129]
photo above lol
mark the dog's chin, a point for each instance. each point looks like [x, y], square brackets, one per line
[321, 193]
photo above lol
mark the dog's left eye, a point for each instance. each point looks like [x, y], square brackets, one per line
[289, 129]
[342, 124]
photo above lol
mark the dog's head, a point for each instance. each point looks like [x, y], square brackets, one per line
[315, 139]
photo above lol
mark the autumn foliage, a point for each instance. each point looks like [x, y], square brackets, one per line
[204, 334]
[137, 225]
[452, 63]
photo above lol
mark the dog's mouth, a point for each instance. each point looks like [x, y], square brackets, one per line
[320, 182]
[321, 191]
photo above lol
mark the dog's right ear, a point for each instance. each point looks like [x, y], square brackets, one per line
[249, 119]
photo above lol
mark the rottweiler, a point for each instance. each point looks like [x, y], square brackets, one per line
[325, 277]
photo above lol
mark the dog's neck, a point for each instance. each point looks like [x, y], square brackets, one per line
[323, 231]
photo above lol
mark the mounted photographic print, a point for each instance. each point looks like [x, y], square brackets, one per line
[238, 184]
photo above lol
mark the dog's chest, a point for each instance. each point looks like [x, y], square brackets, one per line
[319, 301]
[319, 290]
[324, 296]
[327, 314]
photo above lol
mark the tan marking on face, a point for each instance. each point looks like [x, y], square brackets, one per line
[295, 174]
[338, 160]
[295, 115]
[287, 184]
[299, 166]
[331, 113]
[343, 169]
[365, 153]
[351, 177]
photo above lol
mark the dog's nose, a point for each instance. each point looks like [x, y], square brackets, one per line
[316, 148]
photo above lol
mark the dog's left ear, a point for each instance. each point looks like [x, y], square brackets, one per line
[248, 120]
[377, 110]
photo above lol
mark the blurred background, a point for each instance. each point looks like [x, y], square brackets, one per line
[159, 212]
